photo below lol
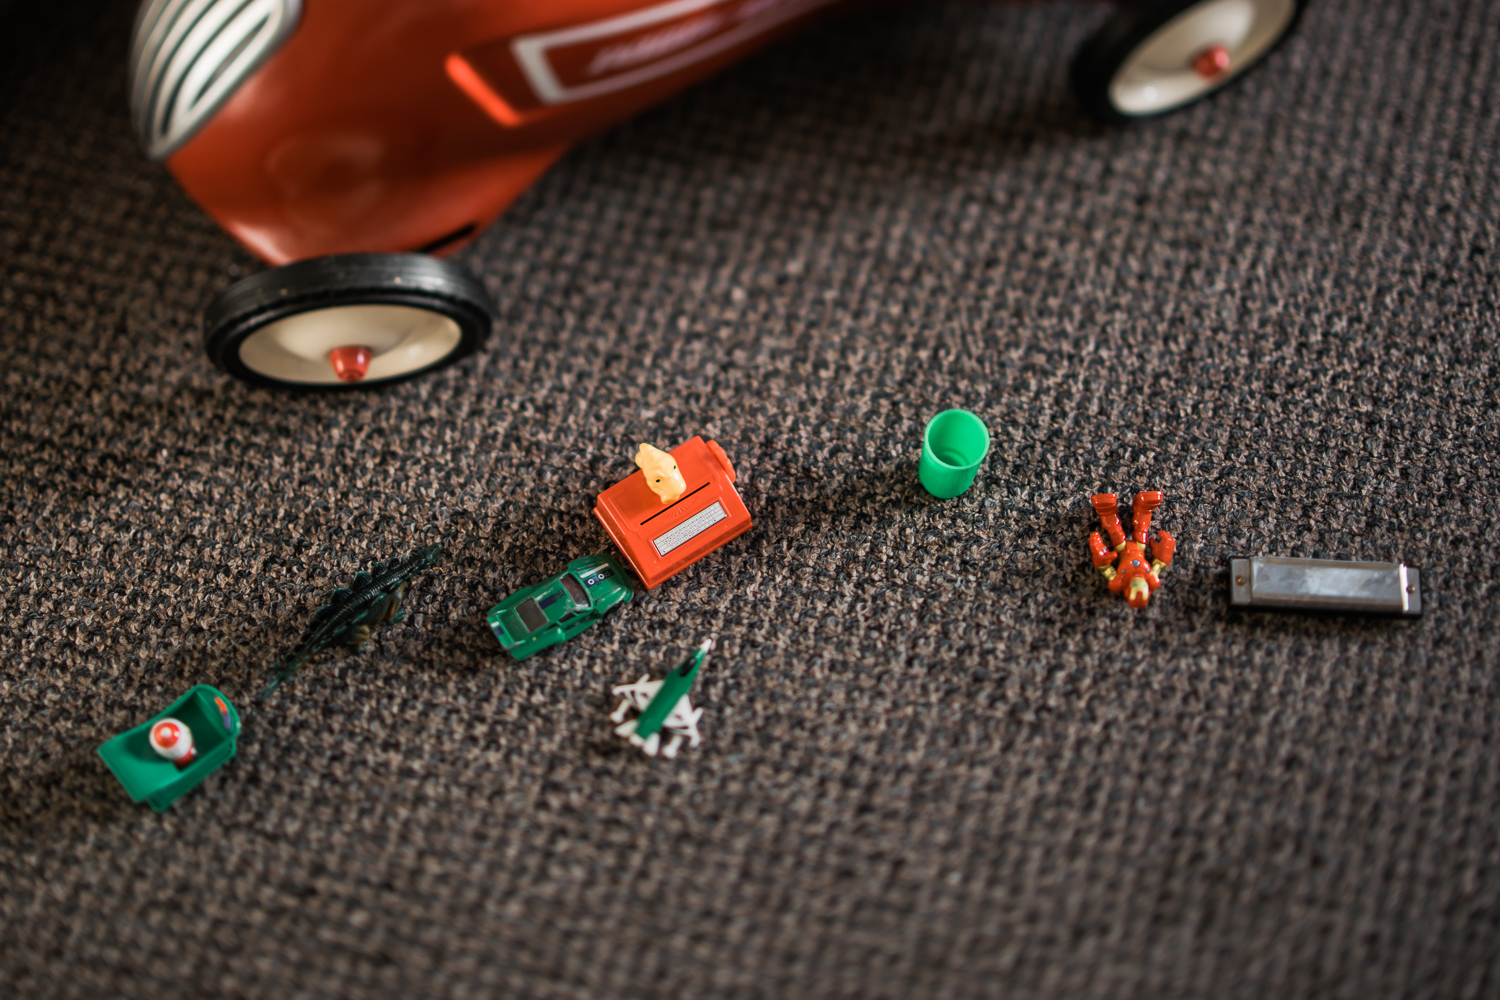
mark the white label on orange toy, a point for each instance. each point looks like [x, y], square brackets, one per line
[587, 60]
[690, 529]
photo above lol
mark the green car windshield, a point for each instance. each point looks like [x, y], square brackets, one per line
[532, 613]
[575, 590]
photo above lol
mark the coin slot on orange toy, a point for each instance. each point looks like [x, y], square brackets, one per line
[674, 504]
[661, 539]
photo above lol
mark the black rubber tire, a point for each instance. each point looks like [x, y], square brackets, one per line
[1133, 22]
[405, 279]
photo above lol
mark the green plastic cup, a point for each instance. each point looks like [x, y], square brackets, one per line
[953, 445]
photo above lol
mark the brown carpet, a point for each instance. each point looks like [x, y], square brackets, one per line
[939, 761]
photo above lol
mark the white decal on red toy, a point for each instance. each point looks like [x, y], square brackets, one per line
[575, 63]
[689, 529]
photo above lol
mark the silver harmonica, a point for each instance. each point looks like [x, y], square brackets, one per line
[1378, 588]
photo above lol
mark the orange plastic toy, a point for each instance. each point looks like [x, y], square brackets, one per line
[660, 539]
[1133, 578]
[315, 127]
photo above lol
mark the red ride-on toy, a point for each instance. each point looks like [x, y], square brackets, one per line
[310, 128]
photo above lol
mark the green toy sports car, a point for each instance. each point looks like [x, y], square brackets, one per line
[557, 609]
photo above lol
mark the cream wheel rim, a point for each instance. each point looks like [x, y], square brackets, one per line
[1159, 75]
[401, 340]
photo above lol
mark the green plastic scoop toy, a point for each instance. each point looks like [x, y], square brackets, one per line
[148, 775]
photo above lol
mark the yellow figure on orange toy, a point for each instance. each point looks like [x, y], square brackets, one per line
[1133, 578]
[662, 474]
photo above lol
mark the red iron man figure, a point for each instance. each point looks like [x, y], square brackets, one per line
[1133, 577]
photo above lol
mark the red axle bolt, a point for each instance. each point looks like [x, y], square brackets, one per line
[1211, 62]
[350, 363]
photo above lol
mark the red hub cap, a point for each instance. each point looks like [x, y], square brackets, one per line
[350, 363]
[1211, 62]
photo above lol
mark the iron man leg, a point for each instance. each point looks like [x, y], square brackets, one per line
[1108, 507]
[1141, 510]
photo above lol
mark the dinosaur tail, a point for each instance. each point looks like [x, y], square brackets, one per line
[284, 671]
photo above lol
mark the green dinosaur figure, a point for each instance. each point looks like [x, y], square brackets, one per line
[372, 598]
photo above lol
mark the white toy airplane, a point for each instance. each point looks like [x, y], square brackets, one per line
[680, 720]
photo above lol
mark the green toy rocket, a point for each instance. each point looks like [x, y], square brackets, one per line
[663, 705]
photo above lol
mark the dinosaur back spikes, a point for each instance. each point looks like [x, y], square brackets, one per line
[368, 600]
